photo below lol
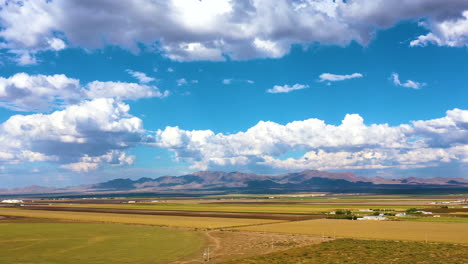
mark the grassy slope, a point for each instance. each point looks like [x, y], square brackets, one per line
[366, 251]
[72, 243]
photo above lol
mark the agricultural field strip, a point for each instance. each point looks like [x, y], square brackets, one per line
[158, 220]
[272, 216]
[76, 243]
[387, 230]
[240, 208]
[240, 201]
[450, 219]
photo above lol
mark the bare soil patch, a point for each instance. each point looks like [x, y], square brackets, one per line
[231, 245]
[23, 219]
[446, 210]
[9, 218]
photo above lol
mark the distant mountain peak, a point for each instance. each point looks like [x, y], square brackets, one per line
[307, 180]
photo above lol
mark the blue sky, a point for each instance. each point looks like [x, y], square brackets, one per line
[383, 97]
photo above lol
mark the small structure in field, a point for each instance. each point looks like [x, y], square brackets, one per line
[131, 202]
[436, 216]
[373, 217]
[12, 201]
[400, 214]
[424, 212]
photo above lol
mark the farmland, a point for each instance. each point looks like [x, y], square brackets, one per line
[172, 221]
[391, 230]
[76, 243]
[452, 219]
[281, 207]
[241, 206]
[365, 251]
[257, 228]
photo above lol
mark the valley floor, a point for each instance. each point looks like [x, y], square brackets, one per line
[284, 229]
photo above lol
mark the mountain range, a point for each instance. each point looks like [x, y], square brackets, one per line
[308, 180]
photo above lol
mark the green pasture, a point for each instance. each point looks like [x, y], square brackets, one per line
[77, 243]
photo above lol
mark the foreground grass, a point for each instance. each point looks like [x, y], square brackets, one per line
[78, 243]
[366, 251]
[159, 220]
[391, 230]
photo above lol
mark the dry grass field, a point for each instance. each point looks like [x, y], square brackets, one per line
[242, 228]
[241, 206]
[231, 245]
[363, 252]
[389, 230]
[158, 220]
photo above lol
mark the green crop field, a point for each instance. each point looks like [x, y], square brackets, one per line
[366, 251]
[391, 230]
[159, 220]
[79, 243]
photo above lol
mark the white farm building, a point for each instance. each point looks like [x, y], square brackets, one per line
[12, 201]
[372, 217]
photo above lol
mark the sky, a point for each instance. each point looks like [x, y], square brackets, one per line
[97, 90]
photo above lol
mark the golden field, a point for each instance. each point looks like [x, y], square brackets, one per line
[387, 230]
[237, 207]
[159, 220]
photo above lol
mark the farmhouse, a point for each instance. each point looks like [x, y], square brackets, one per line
[373, 217]
[12, 201]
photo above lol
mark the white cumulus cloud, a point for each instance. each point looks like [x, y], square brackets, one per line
[121, 90]
[350, 145]
[114, 158]
[450, 32]
[408, 84]
[32, 92]
[286, 88]
[94, 131]
[336, 77]
[216, 29]
[24, 92]
[140, 76]
[229, 81]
